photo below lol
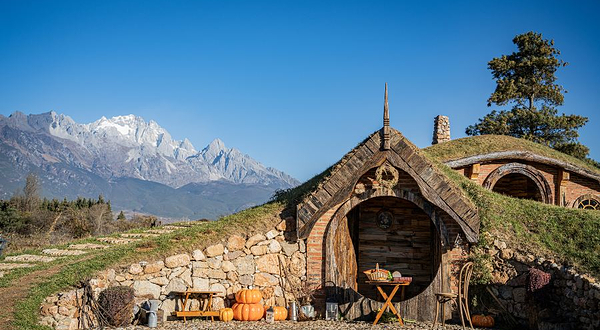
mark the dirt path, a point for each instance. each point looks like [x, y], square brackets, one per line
[20, 287]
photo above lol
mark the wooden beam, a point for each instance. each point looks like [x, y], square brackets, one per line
[474, 172]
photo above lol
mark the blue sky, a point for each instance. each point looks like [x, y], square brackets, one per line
[294, 84]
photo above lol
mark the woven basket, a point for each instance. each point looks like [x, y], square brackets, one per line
[377, 274]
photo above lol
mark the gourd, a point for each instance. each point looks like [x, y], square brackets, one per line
[247, 312]
[226, 314]
[280, 313]
[482, 321]
[248, 296]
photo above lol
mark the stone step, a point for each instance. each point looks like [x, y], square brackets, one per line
[160, 231]
[60, 253]
[29, 258]
[88, 246]
[173, 227]
[116, 240]
[139, 235]
[8, 266]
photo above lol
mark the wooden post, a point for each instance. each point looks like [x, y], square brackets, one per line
[474, 174]
[561, 187]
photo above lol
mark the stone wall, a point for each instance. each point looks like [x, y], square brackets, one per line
[570, 300]
[258, 261]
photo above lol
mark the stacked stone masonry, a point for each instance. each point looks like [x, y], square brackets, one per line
[237, 263]
[571, 300]
[441, 129]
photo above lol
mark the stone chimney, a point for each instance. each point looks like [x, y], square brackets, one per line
[441, 129]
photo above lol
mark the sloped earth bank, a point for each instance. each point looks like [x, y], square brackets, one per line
[309, 325]
[20, 290]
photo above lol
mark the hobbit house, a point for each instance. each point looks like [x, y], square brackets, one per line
[386, 203]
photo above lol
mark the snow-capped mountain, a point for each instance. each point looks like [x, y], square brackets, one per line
[116, 148]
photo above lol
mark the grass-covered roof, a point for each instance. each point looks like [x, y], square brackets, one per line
[487, 144]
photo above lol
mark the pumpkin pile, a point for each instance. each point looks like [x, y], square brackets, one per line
[248, 306]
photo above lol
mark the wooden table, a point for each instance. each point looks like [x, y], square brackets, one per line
[205, 299]
[388, 299]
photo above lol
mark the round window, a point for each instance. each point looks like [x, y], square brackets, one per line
[589, 203]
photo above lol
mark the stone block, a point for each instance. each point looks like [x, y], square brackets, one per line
[201, 284]
[231, 256]
[246, 280]
[178, 260]
[232, 276]
[254, 240]
[272, 234]
[146, 289]
[162, 281]
[264, 279]
[199, 264]
[214, 250]
[268, 263]
[227, 266]
[259, 250]
[289, 248]
[236, 243]
[213, 263]
[198, 255]
[154, 267]
[281, 226]
[186, 276]
[274, 246]
[216, 274]
[245, 265]
[176, 284]
[136, 269]
[218, 287]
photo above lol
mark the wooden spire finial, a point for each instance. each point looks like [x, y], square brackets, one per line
[385, 145]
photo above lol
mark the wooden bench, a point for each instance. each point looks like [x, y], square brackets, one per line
[205, 308]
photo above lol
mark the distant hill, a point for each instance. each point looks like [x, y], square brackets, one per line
[134, 163]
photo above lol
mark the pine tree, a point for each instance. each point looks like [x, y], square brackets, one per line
[121, 216]
[526, 79]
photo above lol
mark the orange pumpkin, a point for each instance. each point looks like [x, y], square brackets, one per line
[482, 321]
[248, 312]
[226, 314]
[280, 313]
[248, 296]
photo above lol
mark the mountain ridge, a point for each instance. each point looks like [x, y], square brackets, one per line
[85, 158]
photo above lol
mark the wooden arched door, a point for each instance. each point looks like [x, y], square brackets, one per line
[341, 266]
